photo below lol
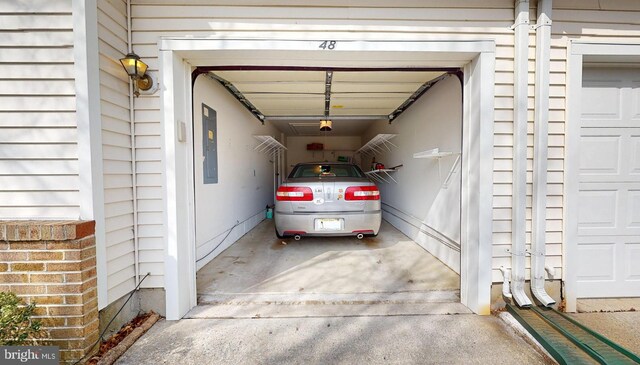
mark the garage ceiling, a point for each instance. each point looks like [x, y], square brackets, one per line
[296, 100]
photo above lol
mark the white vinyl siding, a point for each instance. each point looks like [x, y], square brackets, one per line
[416, 19]
[427, 20]
[116, 149]
[615, 21]
[149, 178]
[39, 170]
[38, 149]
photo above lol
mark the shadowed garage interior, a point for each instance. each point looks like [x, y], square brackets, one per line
[257, 124]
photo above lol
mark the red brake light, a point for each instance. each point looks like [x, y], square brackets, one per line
[362, 193]
[294, 193]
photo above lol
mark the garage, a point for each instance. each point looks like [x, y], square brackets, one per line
[399, 105]
[414, 158]
[608, 177]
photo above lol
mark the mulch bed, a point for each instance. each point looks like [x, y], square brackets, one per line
[116, 338]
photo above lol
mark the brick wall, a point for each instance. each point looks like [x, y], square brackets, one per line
[53, 263]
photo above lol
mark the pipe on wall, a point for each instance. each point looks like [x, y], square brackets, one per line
[520, 99]
[540, 152]
[134, 179]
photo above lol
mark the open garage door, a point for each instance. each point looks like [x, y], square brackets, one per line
[414, 261]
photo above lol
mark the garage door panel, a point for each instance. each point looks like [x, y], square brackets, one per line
[608, 246]
[613, 211]
[271, 76]
[633, 210]
[361, 111]
[292, 102]
[280, 87]
[372, 87]
[388, 101]
[599, 155]
[597, 208]
[601, 101]
[632, 251]
[634, 160]
[608, 267]
[597, 261]
[635, 100]
[294, 111]
[609, 155]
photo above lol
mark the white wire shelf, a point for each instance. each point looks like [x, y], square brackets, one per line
[269, 145]
[377, 144]
[437, 154]
[379, 175]
[434, 153]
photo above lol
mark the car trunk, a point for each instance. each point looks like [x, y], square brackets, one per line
[328, 195]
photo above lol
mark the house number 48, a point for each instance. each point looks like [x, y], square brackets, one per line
[327, 45]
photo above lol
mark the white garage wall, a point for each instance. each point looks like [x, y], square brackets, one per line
[38, 135]
[423, 204]
[334, 146]
[245, 176]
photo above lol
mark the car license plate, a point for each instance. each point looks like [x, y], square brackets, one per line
[328, 224]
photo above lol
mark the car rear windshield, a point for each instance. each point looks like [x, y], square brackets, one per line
[321, 170]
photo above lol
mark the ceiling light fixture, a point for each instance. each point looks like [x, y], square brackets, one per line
[325, 125]
[137, 71]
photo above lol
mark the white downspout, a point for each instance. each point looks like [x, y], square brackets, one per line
[506, 291]
[134, 179]
[540, 151]
[520, 101]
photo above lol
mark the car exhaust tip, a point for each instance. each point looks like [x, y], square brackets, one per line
[297, 237]
[359, 236]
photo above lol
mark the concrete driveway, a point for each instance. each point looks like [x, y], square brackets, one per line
[382, 300]
[428, 339]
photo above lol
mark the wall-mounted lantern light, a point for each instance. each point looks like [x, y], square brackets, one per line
[137, 70]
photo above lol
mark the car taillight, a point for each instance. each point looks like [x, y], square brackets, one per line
[294, 193]
[362, 193]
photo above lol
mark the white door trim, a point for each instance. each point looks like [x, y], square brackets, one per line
[176, 55]
[579, 52]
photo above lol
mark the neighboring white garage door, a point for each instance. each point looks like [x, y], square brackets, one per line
[609, 184]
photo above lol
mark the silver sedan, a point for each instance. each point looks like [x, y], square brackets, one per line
[327, 199]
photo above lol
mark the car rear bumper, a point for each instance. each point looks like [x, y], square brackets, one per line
[289, 224]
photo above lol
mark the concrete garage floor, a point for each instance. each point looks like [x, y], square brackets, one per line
[262, 276]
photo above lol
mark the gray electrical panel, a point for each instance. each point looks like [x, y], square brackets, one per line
[209, 145]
